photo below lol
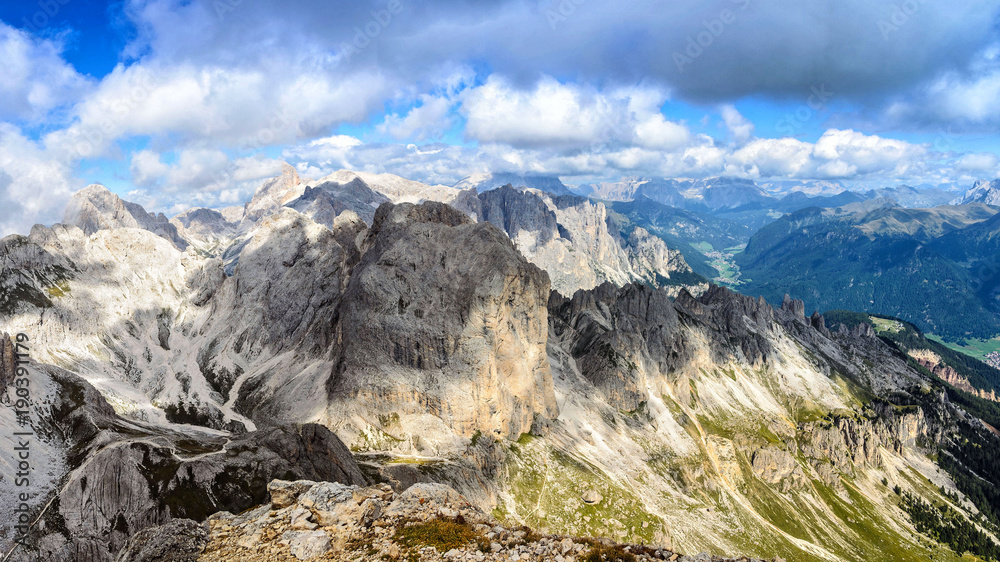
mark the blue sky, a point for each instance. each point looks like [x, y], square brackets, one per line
[181, 103]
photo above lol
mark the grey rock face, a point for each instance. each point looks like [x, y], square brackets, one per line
[619, 336]
[31, 273]
[181, 540]
[513, 211]
[794, 306]
[425, 500]
[285, 493]
[444, 316]
[651, 259]
[281, 296]
[777, 466]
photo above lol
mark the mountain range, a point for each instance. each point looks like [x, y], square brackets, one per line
[547, 356]
[867, 256]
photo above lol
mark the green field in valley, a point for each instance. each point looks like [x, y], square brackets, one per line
[973, 348]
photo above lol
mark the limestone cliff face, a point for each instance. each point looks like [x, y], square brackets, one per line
[853, 442]
[651, 259]
[586, 225]
[442, 317]
[282, 292]
[778, 467]
[933, 363]
[621, 338]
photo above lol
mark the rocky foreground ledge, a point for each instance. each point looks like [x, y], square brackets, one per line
[330, 521]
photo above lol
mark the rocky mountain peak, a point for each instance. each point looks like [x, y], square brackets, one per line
[412, 350]
[488, 181]
[274, 193]
[202, 223]
[795, 306]
[514, 211]
[983, 191]
[406, 214]
[323, 201]
[97, 208]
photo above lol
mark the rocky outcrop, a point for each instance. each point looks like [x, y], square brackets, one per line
[30, 275]
[347, 523]
[568, 237]
[620, 338]
[778, 467]
[795, 307]
[651, 259]
[109, 477]
[442, 316]
[850, 442]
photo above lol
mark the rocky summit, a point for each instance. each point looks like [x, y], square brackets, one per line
[420, 372]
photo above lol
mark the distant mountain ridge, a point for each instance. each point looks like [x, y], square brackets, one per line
[493, 180]
[915, 264]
